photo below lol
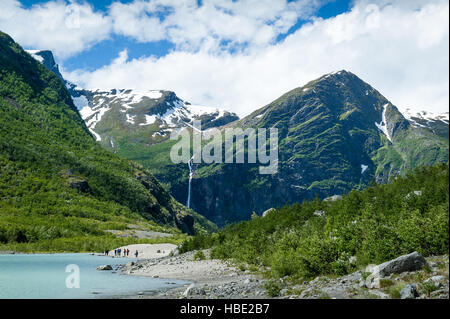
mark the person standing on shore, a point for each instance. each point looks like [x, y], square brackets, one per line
[136, 254]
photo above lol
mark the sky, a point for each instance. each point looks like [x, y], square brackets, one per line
[242, 54]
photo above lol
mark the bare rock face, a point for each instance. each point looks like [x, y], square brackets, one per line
[185, 223]
[410, 262]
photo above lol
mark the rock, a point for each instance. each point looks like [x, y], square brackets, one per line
[319, 213]
[104, 267]
[409, 292]
[130, 264]
[283, 292]
[352, 260]
[370, 268]
[264, 214]
[415, 193]
[436, 280]
[247, 281]
[410, 262]
[441, 293]
[333, 198]
[185, 223]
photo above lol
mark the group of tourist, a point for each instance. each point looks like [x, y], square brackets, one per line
[118, 252]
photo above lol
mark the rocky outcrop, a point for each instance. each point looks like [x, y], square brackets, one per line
[410, 262]
[185, 223]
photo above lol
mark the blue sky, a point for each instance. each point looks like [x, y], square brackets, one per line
[242, 54]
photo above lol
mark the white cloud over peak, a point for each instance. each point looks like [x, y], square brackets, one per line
[401, 48]
[63, 27]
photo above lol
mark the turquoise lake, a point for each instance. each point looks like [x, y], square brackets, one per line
[44, 276]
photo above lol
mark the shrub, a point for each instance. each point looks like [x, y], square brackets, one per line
[273, 287]
[199, 255]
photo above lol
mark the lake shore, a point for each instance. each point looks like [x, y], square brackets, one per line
[209, 278]
[213, 278]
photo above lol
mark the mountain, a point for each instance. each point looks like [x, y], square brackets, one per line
[336, 133]
[437, 123]
[56, 182]
[120, 116]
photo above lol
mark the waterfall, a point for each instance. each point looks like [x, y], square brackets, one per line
[191, 173]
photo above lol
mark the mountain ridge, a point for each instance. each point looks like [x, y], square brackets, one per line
[336, 133]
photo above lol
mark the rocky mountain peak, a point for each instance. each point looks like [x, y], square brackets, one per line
[46, 58]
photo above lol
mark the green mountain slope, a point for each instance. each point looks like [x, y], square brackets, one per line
[336, 134]
[56, 182]
[317, 237]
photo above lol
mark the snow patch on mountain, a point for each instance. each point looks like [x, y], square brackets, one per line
[425, 116]
[34, 54]
[382, 126]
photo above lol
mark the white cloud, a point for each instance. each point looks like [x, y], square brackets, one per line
[193, 27]
[400, 48]
[65, 28]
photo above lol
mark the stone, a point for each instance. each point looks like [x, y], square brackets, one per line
[436, 280]
[409, 292]
[410, 262]
[264, 214]
[319, 213]
[104, 267]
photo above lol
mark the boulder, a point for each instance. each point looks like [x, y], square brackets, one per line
[410, 262]
[104, 267]
[409, 292]
[319, 213]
